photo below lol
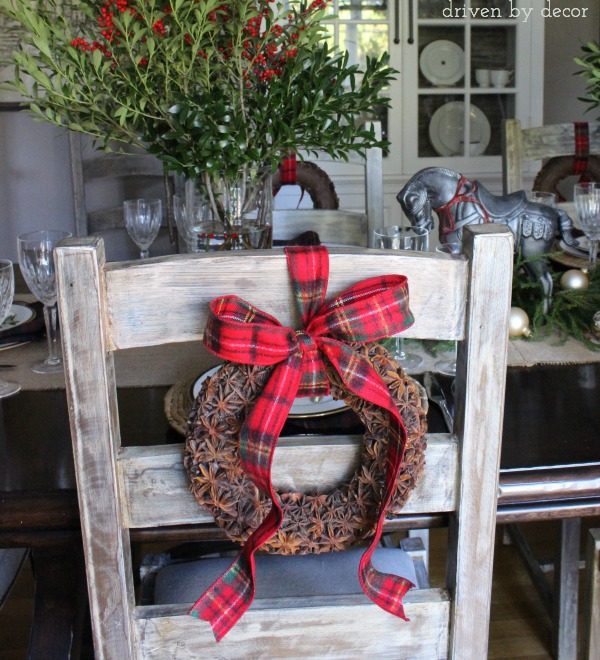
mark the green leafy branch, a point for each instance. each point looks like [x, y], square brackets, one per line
[571, 312]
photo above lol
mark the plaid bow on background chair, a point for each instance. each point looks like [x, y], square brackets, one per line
[109, 307]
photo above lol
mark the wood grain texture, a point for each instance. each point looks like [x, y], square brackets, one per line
[140, 294]
[591, 642]
[92, 398]
[480, 383]
[345, 627]
[157, 492]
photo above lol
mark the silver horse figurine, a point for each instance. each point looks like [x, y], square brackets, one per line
[458, 201]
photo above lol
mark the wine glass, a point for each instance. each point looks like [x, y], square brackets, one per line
[396, 237]
[448, 366]
[143, 218]
[37, 265]
[7, 291]
[587, 203]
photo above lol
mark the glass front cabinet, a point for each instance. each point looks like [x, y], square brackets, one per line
[463, 66]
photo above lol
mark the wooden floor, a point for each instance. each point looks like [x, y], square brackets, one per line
[519, 626]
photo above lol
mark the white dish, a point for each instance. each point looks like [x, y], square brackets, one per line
[18, 315]
[582, 251]
[302, 406]
[442, 62]
[446, 129]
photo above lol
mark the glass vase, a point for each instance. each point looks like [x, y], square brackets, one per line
[227, 212]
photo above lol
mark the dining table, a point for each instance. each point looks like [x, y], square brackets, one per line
[550, 466]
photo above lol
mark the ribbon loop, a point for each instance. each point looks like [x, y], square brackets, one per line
[237, 331]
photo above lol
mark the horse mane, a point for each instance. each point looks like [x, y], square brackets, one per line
[436, 170]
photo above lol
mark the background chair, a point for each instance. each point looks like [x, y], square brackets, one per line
[332, 226]
[344, 226]
[591, 644]
[109, 307]
[98, 176]
[556, 141]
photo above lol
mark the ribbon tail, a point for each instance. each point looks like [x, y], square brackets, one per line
[384, 589]
[224, 603]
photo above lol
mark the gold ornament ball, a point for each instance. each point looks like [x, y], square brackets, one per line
[574, 279]
[518, 323]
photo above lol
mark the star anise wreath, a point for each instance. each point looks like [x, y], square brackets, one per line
[313, 522]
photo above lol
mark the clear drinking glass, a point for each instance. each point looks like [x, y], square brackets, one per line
[448, 366]
[7, 291]
[587, 203]
[143, 218]
[396, 237]
[543, 197]
[192, 218]
[36, 259]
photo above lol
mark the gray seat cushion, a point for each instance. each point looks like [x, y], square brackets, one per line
[279, 576]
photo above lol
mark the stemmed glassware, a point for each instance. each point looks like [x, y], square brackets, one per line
[37, 265]
[587, 203]
[448, 366]
[396, 237]
[7, 291]
[143, 218]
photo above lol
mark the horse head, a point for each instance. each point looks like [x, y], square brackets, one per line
[414, 201]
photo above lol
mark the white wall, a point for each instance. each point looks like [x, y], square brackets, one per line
[35, 186]
[35, 179]
[564, 38]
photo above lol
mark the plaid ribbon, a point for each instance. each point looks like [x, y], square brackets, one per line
[582, 148]
[367, 311]
[287, 170]
[465, 193]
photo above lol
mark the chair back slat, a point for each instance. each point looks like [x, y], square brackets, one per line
[142, 309]
[342, 625]
[156, 486]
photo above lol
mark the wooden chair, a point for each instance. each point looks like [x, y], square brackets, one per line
[591, 645]
[333, 227]
[526, 145]
[106, 307]
[371, 169]
[97, 176]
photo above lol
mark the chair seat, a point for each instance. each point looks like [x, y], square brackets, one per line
[281, 576]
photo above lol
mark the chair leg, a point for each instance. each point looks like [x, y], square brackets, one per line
[591, 640]
[422, 534]
[413, 546]
[566, 587]
[60, 601]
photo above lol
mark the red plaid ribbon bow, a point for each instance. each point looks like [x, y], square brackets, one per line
[367, 311]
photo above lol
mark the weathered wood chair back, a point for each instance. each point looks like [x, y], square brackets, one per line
[332, 226]
[371, 167]
[98, 177]
[106, 307]
[526, 145]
